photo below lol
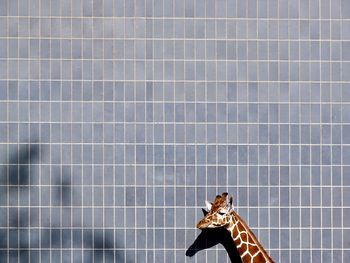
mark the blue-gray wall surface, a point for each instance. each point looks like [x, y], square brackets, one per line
[119, 118]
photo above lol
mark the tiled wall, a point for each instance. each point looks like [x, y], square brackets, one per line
[119, 118]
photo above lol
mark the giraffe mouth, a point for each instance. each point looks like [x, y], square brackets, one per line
[203, 224]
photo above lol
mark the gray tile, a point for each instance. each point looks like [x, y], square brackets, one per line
[144, 125]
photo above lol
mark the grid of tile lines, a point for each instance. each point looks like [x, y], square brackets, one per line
[119, 118]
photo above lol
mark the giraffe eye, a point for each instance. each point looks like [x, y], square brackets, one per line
[221, 213]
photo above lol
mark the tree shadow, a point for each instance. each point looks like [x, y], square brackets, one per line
[19, 163]
[16, 175]
[212, 236]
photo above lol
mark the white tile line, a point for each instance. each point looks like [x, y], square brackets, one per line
[207, 142]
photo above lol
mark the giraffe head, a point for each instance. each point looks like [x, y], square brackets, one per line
[218, 214]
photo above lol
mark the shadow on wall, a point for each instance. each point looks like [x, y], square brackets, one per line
[17, 234]
[210, 237]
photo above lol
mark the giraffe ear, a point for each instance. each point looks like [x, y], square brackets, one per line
[204, 212]
[208, 205]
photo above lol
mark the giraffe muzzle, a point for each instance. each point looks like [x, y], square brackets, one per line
[203, 224]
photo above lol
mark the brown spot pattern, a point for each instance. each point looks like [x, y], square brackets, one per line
[247, 244]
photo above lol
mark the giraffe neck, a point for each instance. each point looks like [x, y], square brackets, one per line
[248, 246]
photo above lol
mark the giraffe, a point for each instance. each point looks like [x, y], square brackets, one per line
[221, 214]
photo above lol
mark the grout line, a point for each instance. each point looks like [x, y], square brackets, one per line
[315, 136]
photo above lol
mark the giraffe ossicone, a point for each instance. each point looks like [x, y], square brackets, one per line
[221, 214]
